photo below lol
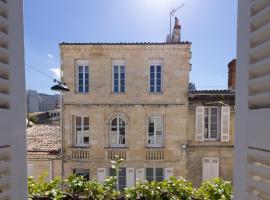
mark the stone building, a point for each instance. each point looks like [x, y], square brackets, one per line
[126, 99]
[210, 132]
[44, 151]
[210, 135]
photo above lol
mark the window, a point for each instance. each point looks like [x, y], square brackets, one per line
[155, 131]
[82, 77]
[154, 174]
[81, 131]
[119, 85]
[211, 123]
[82, 172]
[117, 132]
[155, 78]
[121, 177]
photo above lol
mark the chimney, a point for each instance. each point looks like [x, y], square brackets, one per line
[231, 74]
[175, 36]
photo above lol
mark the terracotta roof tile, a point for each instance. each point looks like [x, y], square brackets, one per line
[43, 138]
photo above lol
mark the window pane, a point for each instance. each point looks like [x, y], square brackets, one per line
[116, 82]
[152, 82]
[152, 89]
[158, 82]
[122, 76]
[152, 75]
[112, 172]
[86, 140]
[149, 174]
[86, 123]
[158, 89]
[80, 76]
[159, 75]
[158, 69]
[122, 179]
[80, 69]
[122, 82]
[122, 70]
[86, 69]
[115, 69]
[214, 111]
[115, 76]
[122, 88]
[152, 69]
[116, 88]
[159, 174]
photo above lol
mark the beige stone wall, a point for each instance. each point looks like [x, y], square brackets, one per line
[137, 129]
[213, 149]
[51, 166]
[100, 104]
[175, 60]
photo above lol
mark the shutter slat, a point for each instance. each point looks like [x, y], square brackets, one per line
[260, 35]
[259, 85]
[260, 68]
[260, 52]
[260, 18]
[260, 100]
[257, 6]
[199, 126]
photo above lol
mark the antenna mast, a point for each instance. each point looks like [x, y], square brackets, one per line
[172, 14]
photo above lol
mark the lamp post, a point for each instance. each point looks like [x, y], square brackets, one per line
[61, 87]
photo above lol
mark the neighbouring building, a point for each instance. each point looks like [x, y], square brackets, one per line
[48, 102]
[44, 151]
[13, 183]
[40, 102]
[252, 160]
[210, 132]
[130, 100]
[32, 101]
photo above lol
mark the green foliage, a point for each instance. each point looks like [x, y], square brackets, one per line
[77, 188]
[215, 189]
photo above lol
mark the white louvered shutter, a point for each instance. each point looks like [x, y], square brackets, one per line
[206, 171]
[168, 173]
[101, 175]
[225, 123]
[252, 138]
[214, 167]
[12, 102]
[130, 175]
[140, 174]
[199, 126]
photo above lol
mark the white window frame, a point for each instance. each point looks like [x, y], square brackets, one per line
[84, 64]
[154, 173]
[84, 132]
[118, 64]
[118, 132]
[209, 123]
[212, 170]
[156, 63]
[155, 135]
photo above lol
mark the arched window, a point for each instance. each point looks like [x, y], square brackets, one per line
[117, 132]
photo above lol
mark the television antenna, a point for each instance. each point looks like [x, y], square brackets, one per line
[172, 14]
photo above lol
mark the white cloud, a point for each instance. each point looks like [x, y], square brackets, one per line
[56, 72]
[50, 56]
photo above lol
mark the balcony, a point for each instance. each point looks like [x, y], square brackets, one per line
[80, 154]
[154, 154]
[116, 152]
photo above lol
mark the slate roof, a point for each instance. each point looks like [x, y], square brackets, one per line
[43, 138]
[122, 43]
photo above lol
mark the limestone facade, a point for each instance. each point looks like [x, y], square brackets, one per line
[101, 104]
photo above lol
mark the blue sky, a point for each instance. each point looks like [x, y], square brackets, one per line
[209, 24]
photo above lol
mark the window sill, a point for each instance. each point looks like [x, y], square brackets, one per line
[116, 147]
[81, 147]
[154, 147]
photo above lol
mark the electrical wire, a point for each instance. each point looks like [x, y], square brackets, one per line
[44, 74]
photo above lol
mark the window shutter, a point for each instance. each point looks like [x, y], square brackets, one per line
[168, 173]
[130, 177]
[225, 123]
[101, 175]
[199, 126]
[140, 174]
[206, 171]
[214, 167]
